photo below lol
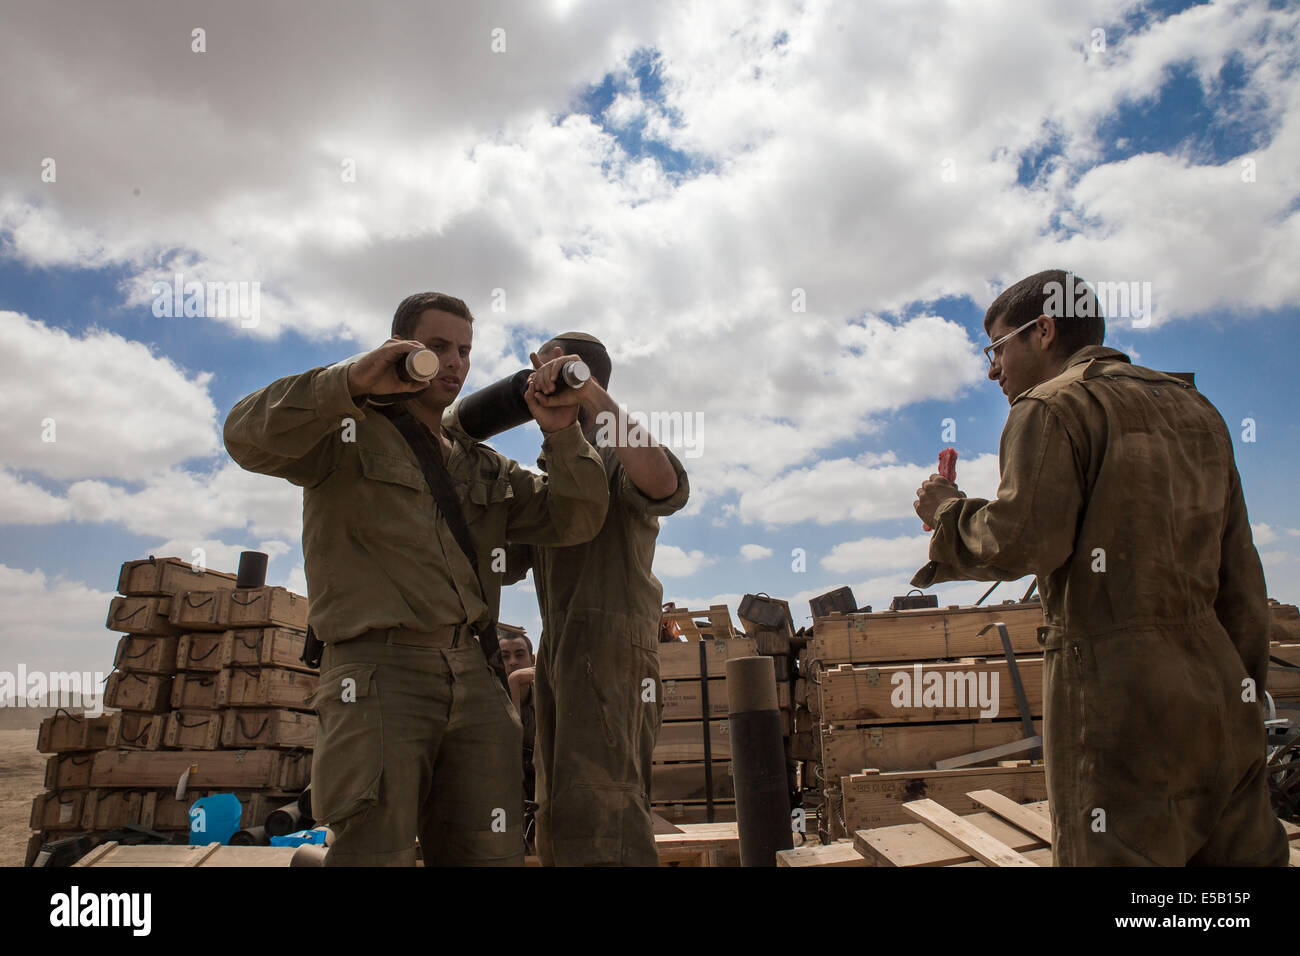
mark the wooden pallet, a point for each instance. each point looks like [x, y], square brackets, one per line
[1001, 832]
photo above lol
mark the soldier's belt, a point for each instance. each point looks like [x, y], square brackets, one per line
[443, 637]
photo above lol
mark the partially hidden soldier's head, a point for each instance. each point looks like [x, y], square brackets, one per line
[1038, 323]
[444, 324]
[592, 351]
[516, 649]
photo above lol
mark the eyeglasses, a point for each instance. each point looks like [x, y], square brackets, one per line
[994, 346]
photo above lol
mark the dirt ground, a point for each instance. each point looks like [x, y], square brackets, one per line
[22, 777]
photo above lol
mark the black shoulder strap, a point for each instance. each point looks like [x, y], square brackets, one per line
[429, 455]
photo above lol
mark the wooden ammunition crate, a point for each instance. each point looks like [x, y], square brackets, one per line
[109, 809]
[212, 855]
[64, 732]
[148, 693]
[683, 812]
[681, 659]
[876, 799]
[201, 651]
[264, 647]
[928, 634]
[684, 740]
[162, 811]
[265, 687]
[253, 607]
[196, 690]
[193, 730]
[58, 810]
[69, 771]
[860, 694]
[685, 782]
[146, 655]
[683, 699]
[847, 750]
[141, 615]
[268, 728]
[133, 731]
[167, 576]
[220, 769]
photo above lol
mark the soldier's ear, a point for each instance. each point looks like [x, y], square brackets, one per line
[1046, 330]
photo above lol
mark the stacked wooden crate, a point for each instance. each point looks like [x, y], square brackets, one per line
[211, 696]
[692, 758]
[873, 748]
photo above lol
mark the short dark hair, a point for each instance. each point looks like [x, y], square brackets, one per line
[588, 348]
[407, 316]
[1038, 295]
[504, 635]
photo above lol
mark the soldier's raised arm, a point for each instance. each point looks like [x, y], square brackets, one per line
[567, 505]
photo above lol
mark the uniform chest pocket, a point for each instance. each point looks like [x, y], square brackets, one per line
[391, 470]
[485, 491]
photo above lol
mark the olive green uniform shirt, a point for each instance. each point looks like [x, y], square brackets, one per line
[378, 552]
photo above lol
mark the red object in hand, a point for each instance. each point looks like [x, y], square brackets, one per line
[947, 469]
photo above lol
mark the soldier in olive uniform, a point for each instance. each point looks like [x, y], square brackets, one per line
[417, 737]
[1119, 490]
[598, 694]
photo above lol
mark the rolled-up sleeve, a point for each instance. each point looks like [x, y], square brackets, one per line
[1030, 527]
[634, 501]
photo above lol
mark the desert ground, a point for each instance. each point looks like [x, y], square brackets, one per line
[22, 777]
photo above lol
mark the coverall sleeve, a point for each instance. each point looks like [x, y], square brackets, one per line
[634, 500]
[566, 506]
[519, 558]
[1030, 527]
[1242, 602]
[281, 430]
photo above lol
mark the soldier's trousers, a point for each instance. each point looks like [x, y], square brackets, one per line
[1153, 756]
[416, 742]
[599, 704]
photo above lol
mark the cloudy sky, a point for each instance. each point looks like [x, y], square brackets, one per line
[785, 218]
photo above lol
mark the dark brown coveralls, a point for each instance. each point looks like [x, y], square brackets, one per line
[1153, 736]
[598, 695]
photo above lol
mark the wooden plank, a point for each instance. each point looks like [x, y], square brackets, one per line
[722, 839]
[915, 844]
[970, 838]
[680, 660]
[840, 853]
[167, 576]
[1017, 814]
[992, 753]
[903, 693]
[876, 799]
[682, 740]
[927, 634]
[214, 854]
[908, 746]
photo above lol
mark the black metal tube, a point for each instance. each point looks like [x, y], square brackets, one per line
[287, 819]
[758, 761]
[252, 569]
